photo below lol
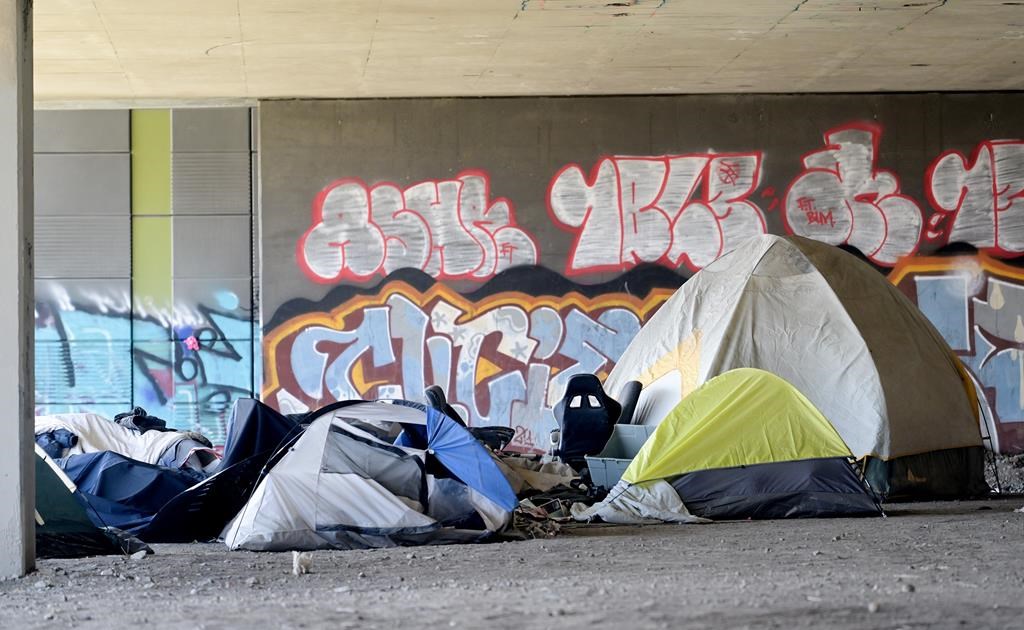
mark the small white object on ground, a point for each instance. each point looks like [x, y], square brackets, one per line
[301, 562]
[138, 555]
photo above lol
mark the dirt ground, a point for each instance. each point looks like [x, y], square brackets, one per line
[956, 564]
[1006, 472]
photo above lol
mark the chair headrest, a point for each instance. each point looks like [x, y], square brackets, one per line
[435, 397]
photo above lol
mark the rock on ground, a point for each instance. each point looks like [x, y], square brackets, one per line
[952, 564]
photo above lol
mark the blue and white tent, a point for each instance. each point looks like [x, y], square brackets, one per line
[375, 474]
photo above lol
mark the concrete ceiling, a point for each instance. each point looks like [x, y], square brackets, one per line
[143, 51]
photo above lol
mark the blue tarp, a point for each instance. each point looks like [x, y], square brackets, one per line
[123, 492]
[462, 455]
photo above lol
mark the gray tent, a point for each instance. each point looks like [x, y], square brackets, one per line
[835, 329]
[373, 474]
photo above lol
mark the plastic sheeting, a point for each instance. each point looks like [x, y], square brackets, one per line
[628, 504]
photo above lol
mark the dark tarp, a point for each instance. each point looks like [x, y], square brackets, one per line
[955, 473]
[201, 512]
[255, 431]
[254, 428]
[799, 489]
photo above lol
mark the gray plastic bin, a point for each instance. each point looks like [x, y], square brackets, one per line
[606, 467]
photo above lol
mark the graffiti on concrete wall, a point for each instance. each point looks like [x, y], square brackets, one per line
[503, 356]
[674, 210]
[980, 201]
[842, 197]
[187, 367]
[447, 229]
[504, 352]
[680, 211]
[977, 304]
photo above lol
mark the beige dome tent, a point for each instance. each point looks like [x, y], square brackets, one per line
[836, 330]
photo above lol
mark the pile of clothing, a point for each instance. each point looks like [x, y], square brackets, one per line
[135, 434]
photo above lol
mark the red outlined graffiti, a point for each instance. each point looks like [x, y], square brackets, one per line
[450, 229]
[672, 210]
[842, 197]
[979, 201]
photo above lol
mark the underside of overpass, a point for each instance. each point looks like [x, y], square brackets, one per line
[137, 52]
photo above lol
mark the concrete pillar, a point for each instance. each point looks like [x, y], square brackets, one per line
[17, 463]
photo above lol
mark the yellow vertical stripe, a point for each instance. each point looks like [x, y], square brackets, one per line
[152, 254]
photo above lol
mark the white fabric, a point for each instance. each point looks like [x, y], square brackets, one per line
[495, 518]
[96, 433]
[525, 473]
[648, 502]
[815, 316]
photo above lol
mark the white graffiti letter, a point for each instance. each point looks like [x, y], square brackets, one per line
[342, 243]
[983, 198]
[448, 229]
[654, 209]
[842, 197]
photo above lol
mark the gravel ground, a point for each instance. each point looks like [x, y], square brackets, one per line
[954, 564]
[1011, 473]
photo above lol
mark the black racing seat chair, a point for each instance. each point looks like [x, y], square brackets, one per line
[496, 438]
[586, 416]
[436, 399]
[628, 397]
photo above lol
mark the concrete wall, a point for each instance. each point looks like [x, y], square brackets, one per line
[145, 276]
[498, 246]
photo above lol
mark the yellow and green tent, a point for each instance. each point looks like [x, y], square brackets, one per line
[747, 444]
